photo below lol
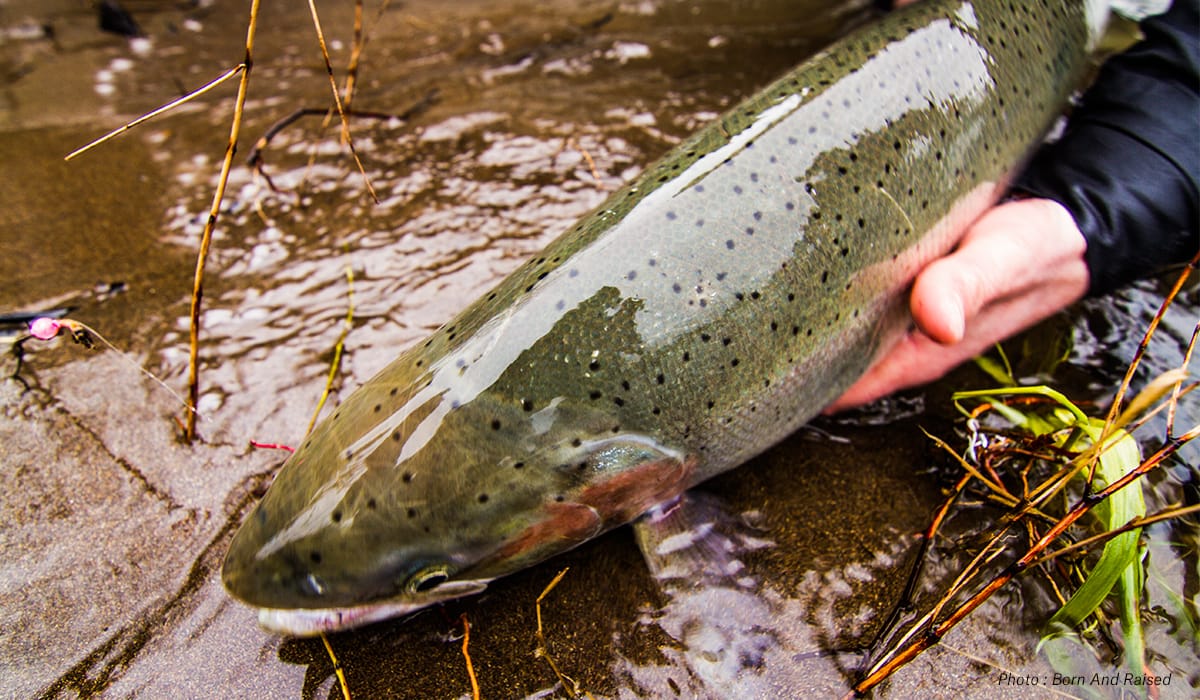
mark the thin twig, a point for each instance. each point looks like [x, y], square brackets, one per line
[467, 656]
[1133, 524]
[338, 348]
[337, 100]
[994, 486]
[337, 667]
[255, 158]
[1115, 409]
[542, 651]
[1187, 359]
[908, 595]
[210, 224]
[165, 108]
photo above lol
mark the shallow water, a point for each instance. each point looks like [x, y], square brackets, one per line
[113, 531]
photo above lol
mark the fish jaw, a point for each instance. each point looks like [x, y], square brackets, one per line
[301, 622]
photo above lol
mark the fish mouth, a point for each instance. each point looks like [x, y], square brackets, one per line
[309, 622]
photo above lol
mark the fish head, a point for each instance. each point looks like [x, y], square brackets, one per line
[398, 502]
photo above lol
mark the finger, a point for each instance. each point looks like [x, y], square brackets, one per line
[1012, 248]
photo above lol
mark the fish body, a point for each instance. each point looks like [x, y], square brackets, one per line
[700, 315]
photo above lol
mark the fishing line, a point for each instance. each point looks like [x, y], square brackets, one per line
[45, 328]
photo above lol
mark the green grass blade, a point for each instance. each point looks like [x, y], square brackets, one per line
[1121, 552]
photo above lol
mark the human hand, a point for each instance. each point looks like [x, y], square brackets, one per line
[1019, 263]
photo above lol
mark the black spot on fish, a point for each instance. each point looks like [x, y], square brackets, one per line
[660, 378]
[396, 435]
[411, 513]
[519, 465]
[729, 244]
[393, 391]
[336, 516]
[495, 424]
[407, 477]
[483, 498]
[527, 405]
[378, 407]
[618, 401]
[726, 341]
[594, 395]
[315, 557]
[594, 365]
[371, 505]
[632, 274]
[625, 385]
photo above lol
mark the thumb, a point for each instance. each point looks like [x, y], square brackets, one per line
[1006, 251]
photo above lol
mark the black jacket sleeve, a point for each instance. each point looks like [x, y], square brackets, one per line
[1128, 165]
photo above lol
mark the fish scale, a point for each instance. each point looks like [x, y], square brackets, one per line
[701, 314]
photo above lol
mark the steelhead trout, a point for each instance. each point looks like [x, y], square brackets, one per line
[699, 316]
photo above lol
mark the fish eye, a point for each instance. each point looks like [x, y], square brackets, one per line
[427, 579]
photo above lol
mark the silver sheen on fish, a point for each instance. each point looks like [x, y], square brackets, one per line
[696, 318]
